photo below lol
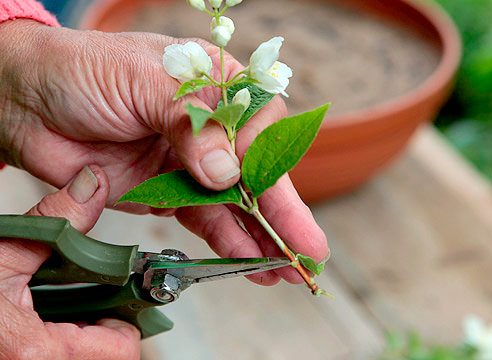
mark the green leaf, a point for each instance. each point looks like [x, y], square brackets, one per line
[245, 79]
[279, 148]
[177, 189]
[191, 86]
[228, 115]
[310, 264]
[198, 117]
[259, 98]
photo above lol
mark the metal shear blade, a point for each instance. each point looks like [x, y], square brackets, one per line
[202, 270]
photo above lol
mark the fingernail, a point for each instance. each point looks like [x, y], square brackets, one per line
[220, 166]
[83, 186]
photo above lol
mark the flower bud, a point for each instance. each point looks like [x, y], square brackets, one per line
[197, 4]
[242, 97]
[223, 21]
[215, 3]
[221, 36]
[233, 2]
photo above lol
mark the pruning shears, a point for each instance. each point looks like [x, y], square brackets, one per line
[85, 279]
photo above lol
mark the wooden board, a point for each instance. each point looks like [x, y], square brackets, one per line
[415, 245]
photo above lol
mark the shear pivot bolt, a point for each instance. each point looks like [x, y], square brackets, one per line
[163, 295]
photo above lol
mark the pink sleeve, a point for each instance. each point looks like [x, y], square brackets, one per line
[25, 9]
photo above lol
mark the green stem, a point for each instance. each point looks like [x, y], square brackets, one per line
[215, 82]
[280, 243]
[224, 10]
[222, 78]
[245, 196]
[231, 82]
[209, 12]
[244, 207]
[233, 142]
[231, 134]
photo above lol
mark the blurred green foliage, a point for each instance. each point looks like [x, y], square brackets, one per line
[412, 348]
[467, 118]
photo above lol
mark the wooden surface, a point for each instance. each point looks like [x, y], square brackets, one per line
[411, 250]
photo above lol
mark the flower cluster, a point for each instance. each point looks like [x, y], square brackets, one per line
[190, 61]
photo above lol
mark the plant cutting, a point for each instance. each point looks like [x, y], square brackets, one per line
[275, 151]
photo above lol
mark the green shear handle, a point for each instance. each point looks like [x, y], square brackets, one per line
[110, 289]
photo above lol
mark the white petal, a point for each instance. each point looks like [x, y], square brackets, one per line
[283, 71]
[276, 79]
[221, 36]
[233, 2]
[269, 83]
[265, 56]
[186, 62]
[197, 4]
[176, 60]
[215, 3]
[199, 59]
[223, 21]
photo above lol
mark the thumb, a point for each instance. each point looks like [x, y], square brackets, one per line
[81, 201]
[208, 157]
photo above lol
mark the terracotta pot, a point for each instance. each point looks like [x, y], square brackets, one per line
[352, 146]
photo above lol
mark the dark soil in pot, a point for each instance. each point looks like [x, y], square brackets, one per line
[338, 54]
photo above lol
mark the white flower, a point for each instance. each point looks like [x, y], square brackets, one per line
[223, 21]
[479, 336]
[186, 62]
[197, 4]
[233, 2]
[221, 36]
[242, 97]
[272, 75]
[215, 3]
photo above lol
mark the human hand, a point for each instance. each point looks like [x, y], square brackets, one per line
[76, 98]
[23, 334]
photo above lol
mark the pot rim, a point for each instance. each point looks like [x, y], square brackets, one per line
[441, 78]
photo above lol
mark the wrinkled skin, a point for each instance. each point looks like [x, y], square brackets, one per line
[74, 98]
